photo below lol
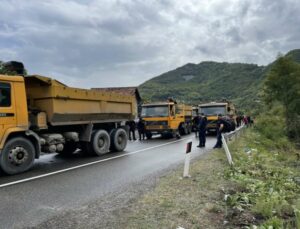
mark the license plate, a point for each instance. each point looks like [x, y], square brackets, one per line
[153, 127]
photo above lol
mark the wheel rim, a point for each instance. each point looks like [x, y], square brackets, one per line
[120, 139]
[18, 156]
[101, 142]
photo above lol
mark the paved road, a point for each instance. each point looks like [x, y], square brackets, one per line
[31, 202]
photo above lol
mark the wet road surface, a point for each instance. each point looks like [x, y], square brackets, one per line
[57, 183]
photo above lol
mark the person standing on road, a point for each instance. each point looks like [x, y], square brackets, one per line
[132, 127]
[196, 124]
[202, 130]
[220, 128]
[141, 129]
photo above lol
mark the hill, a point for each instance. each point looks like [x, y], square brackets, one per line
[210, 81]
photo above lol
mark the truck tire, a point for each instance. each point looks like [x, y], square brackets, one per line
[118, 139]
[100, 142]
[176, 134]
[17, 156]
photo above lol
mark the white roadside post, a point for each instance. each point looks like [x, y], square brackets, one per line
[229, 158]
[187, 159]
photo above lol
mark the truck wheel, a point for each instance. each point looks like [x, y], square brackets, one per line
[17, 156]
[148, 135]
[118, 139]
[100, 142]
[176, 134]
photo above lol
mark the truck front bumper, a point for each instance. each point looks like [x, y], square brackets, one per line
[159, 131]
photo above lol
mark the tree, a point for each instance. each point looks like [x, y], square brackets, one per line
[282, 84]
[12, 68]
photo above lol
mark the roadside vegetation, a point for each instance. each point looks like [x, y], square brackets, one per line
[266, 175]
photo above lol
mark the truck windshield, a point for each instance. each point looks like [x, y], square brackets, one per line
[155, 111]
[213, 110]
[5, 100]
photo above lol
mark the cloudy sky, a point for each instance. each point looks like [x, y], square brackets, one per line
[102, 43]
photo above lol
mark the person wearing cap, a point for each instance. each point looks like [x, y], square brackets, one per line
[220, 128]
[202, 130]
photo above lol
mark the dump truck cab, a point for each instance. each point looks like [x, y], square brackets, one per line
[19, 146]
[213, 109]
[167, 118]
[13, 107]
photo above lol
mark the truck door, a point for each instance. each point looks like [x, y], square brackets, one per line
[7, 111]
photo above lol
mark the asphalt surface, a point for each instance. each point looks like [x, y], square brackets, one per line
[59, 184]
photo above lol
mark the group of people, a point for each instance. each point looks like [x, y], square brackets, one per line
[200, 122]
[140, 126]
[246, 120]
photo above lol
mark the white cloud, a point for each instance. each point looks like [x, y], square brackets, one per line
[125, 42]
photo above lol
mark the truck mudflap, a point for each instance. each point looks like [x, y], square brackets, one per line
[37, 144]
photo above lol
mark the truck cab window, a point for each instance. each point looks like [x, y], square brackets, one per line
[5, 98]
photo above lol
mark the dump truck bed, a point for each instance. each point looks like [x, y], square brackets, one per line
[66, 105]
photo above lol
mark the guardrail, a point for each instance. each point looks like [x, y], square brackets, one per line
[229, 137]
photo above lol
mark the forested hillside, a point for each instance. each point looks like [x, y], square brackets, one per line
[210, 81]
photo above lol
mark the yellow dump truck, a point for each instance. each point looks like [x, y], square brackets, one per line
[39, 114]
[167, 119]
[213, 109]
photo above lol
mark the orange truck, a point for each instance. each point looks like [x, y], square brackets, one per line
[213, 109]
[167, 118]
[40, 114]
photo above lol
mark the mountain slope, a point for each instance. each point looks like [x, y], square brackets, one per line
[210, 81]
[207, 81]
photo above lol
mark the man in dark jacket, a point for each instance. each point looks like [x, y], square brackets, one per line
[220, 128]
[141, 129]
[196, 120]
[202, 130]
[131, 124]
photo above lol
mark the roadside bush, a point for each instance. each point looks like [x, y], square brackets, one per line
[271, 126]
[264, 175]
[273, 223]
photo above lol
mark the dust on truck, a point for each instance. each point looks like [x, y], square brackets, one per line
[39, 114]
[167, 119]
[213, 109]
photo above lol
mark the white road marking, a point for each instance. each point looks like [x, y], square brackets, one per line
[87, 164]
